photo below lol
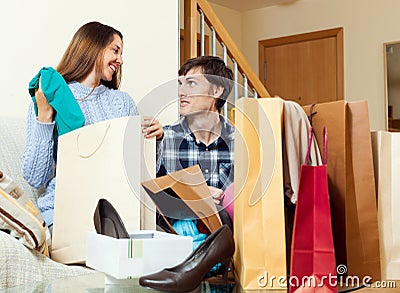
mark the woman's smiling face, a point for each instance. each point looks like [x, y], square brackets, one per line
[112, 58]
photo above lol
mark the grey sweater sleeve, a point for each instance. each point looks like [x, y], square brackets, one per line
[38, 157]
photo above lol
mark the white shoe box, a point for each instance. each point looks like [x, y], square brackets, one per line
[146, 252]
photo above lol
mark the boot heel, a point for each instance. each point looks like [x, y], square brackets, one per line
[225, 268]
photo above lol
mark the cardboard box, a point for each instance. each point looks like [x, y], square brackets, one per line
[184, 194]
[146, 252]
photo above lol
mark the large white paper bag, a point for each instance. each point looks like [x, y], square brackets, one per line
[107, 160]
[387, 148]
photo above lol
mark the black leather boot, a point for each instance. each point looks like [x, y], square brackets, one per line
[107, 220]
[187, 276]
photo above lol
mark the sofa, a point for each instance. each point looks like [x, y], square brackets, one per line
[20, 265]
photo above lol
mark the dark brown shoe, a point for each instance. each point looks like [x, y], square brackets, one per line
[187, 276]
[107, 221]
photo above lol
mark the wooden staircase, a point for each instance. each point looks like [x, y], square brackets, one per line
[199, 13]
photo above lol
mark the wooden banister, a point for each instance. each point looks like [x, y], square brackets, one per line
[223, 36]
[190, 32]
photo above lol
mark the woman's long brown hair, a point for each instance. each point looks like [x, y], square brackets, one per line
[85, 51]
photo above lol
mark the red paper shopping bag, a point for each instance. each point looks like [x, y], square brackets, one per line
[313, 265]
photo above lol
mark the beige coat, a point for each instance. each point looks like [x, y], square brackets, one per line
[296, 127]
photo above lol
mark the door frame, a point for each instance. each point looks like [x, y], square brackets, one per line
[334, 32]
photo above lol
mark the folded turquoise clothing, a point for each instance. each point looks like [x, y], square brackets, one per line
[189, 228]
[68, 115]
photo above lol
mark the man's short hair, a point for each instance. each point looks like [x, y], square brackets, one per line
[216, 72]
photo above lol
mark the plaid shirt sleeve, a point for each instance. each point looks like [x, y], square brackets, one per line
[167, 152]
[226, 171]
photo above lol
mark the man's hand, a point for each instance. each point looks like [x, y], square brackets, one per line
[151, 127]
[217, 194]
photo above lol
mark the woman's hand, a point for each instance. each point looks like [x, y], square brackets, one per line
[45, 111]
[152, 128]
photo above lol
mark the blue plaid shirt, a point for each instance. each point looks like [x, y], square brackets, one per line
[180, 149]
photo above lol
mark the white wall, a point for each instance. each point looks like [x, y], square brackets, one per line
[36, 33]
[367, 25]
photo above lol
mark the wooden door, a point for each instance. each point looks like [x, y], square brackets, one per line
[306, 68]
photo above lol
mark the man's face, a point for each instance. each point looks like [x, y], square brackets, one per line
[196, 93]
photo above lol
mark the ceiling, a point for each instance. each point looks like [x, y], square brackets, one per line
[244, 5]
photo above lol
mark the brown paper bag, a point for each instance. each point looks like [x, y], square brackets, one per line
[184, 195]
[387, 155]
[107, 160]
[351, 185]
[259, 222]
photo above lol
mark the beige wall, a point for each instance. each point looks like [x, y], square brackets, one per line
[36, 33]
[367, 25]
[232, 20]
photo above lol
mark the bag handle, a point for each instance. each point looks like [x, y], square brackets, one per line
[310, 137]
[324, 146]
[85, 156]
[311, 113]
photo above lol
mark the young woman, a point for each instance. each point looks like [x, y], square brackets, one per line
[91, 67]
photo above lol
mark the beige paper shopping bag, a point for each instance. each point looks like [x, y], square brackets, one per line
[387, 151]
[184, 195]
[107, 160]
[259, 222]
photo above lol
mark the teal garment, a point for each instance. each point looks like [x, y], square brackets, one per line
[68, 115]
[189, 228]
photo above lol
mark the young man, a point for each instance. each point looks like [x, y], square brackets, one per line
[201, 136]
